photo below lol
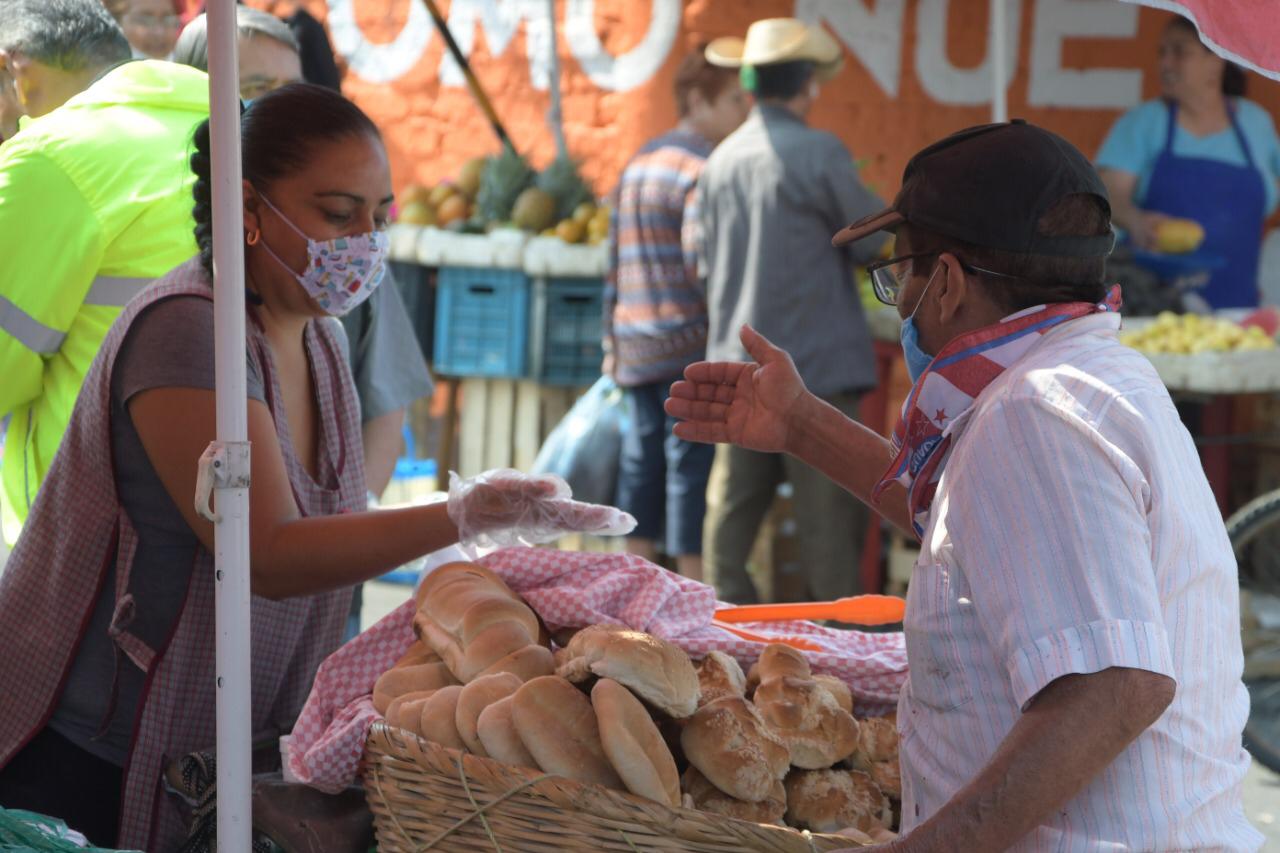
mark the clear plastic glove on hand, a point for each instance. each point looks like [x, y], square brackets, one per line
[504, 507]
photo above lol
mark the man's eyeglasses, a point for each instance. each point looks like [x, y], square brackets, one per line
[890, 276]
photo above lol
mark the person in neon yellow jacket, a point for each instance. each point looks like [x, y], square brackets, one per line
[95, 202]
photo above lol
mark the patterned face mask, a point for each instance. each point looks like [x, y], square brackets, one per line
[342, 272]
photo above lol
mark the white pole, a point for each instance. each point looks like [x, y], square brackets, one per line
[999, 102]
[231, 532]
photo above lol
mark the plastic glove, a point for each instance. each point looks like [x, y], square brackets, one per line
[504, 507]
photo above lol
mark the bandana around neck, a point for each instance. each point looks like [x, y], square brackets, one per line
[950, 385]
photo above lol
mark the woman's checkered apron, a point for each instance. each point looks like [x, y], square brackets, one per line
[77, 528]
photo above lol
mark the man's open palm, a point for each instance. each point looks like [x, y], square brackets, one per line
[747, 404]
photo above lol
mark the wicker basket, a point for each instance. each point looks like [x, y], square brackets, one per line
[428, 797]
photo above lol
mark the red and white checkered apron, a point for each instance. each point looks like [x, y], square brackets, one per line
[78, 527]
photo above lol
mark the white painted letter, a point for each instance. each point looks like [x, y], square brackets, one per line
[379, 63]
[945, 82]
[1054, 86]
[499, 19]
[636, 66]
[875, 38]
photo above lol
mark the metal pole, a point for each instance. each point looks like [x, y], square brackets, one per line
[230, 457]
[999, 101]
[473, 82]
[555, 117]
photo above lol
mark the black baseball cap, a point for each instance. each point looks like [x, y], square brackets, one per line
[989, 185]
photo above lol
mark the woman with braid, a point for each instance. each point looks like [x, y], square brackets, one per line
[106, 606]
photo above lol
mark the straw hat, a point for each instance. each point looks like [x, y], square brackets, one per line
[776, 40]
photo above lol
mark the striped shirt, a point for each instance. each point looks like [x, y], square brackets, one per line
[655, 306]
[1073, 530]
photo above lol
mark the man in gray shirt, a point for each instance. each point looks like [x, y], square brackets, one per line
[770, 197]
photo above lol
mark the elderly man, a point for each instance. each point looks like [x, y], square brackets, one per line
[1072, 627]
[95, 202]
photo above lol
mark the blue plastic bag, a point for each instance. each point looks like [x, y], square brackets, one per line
[586, 445]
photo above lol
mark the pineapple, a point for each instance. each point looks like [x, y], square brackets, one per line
[562, 180]
[503, 179]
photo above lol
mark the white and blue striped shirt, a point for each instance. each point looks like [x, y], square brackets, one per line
[1074, 530]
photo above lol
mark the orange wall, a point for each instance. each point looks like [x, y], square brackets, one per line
[432, 126]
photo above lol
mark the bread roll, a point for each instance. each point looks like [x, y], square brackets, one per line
[497, 733]
[417, 653]
[477, 696]
[408, 679]
[729, 743]
[830, 800]
[472, 619]
[450, 573]
[708, 798]
[888, 777]
[634, 745]
[877, 741]
[778, 660]
[657, 671]
[407, 717]
[838, 689]
[816, 730]
[720, 675]
[436, 722]
[525, 663]
[557, 725]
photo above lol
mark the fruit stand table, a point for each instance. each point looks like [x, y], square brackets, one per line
[1227, 368]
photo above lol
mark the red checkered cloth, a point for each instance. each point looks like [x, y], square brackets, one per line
[570, 590]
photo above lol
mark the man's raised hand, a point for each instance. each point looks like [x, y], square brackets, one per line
[751, 405]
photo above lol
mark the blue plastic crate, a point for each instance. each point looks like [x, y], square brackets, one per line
[567, 326]
[482, 322]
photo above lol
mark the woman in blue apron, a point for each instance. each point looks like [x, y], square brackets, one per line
[1200, 152]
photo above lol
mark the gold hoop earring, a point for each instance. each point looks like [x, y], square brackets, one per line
[253, 237]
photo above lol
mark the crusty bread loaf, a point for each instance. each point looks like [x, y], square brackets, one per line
[888, 777]
[525, 663]
[731, 745]
[657, 671]
[708, 798]
[877, 741]
[557, 725]
[838, 689]
[634, 745]
[450, 573]
[830, 800]
[778, 660]
[472, 619]
[409, 679]
[417, 653]
[720, 675]
[398, 715]
[498, 735]
[816, 730]
[436, 722]
[477, 696]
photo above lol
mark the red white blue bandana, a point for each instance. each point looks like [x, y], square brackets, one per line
[949, 387]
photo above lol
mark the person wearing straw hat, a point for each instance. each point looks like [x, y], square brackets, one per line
[768, 199]
[1072, 622]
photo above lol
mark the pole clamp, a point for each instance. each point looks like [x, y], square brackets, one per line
[223, 465]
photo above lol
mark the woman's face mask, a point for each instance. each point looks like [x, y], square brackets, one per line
[342, 272]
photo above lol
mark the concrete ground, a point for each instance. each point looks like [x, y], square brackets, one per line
[1261, 786]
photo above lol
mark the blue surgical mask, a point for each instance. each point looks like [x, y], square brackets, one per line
[917, 359]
